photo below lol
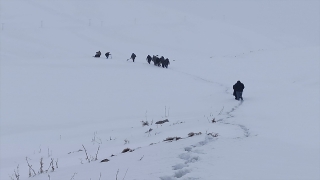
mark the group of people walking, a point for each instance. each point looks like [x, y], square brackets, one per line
[107, 54]
[157, 61]
[164, 62]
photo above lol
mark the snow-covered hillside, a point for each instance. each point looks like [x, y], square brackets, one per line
[61, 105]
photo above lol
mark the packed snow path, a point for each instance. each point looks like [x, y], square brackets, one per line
[228, 113]
[192, 153]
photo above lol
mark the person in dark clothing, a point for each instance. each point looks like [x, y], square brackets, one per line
[149, 58]
[98, 54]
[165, 63]
[234, 94]
[107, 55]
[161, 61]
[154, 58]
[238, 89]
[133, 56]
[157, 62]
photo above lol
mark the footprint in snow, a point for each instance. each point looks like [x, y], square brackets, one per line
[179, 166]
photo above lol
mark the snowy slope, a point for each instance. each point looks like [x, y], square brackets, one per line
[57, 101]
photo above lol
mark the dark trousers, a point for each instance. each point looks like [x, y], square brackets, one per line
[239, 95]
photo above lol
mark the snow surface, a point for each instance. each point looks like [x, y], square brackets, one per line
[59, 103]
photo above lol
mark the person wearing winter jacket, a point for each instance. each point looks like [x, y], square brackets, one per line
[149, 58]
[98, 54]
[238, 90]
[166, 62]
[133, 56]
[107, 54]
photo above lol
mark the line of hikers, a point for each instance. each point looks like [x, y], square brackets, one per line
[164, 62]
[107, 54]
[98, 54]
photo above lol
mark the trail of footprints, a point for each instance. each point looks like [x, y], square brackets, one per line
[189, 156]
[192, 156]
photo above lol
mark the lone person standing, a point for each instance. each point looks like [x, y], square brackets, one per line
[238, 90]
